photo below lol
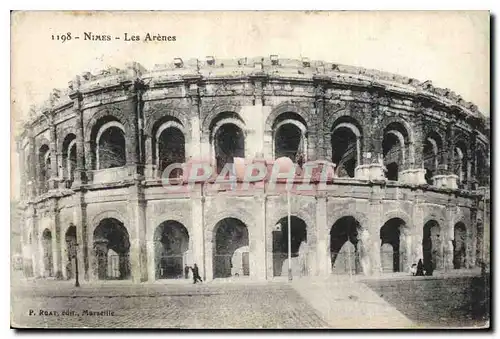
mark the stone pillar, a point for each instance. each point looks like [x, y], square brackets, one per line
[206, 153]
[323, 239]
[254, 129]
[81, 169]
[89, 161]
[64, 257]
[320, 122]
[198, 234]
[32, 223]
[258, 259]
[450, 142]
[417, 227]
[195, 147]
[132, 145]
[56, 240]
[448, 237]
[149, 167]
[267, 146]
[406, 248]
[375, 223]
[471, 240]
[83, 239]
[32, 173]
[150, 249]
[53, 180]
[137, 225]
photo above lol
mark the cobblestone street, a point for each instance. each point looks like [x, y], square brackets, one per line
[270, 305]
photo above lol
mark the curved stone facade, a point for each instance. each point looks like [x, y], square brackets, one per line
[411, 172]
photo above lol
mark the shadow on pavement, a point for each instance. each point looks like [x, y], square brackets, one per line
[444, 302]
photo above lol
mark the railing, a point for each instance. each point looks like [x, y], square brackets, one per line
[110, 174]
[171, 266]
[113, 267]
[229, 265]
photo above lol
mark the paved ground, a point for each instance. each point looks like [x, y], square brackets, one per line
[461, 301]
[350, 304]
[388, 301]
[270, 305]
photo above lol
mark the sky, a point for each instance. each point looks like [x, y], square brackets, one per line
[449, 48]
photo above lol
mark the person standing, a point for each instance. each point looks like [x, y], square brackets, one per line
[186, 272]
[196, 274]
[420, 268]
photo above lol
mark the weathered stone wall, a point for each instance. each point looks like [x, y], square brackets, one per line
[254, 93]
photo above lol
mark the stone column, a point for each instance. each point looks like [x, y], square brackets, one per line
[471, 240]
[81, 169]
[150, 249]
[448, 236]
[322, 244]
[32, 221]
[56, 240]
[450, 156]
[194, 148]
[320, 122]
[32, 179]
[375, 223]
[85, 245]
[258, 258]
[149, 168]
[197, 234]
[132, 145]
[417, 227]
[64, 257]
[53, 180]
[406, 246]
[137, 224]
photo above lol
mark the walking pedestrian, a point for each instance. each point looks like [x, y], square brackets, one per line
[196, 274]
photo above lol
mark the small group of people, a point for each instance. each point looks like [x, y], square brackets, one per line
[196, 273]
[420, 270]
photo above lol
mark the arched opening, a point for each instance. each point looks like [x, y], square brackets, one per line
[431, 152]
[394, 149]
[298, 247]
[231, 235]
[171, 241]
[393, 246]
[169, 145]
[344, 246]
[431, 246]
[229, 143]
[44, 167]
[111, 248]
[482, 168]
[70, 238]
[47, 253]
[69, 159]
[290, 137]
[110, 141]
[346, 147]
[459, 245]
